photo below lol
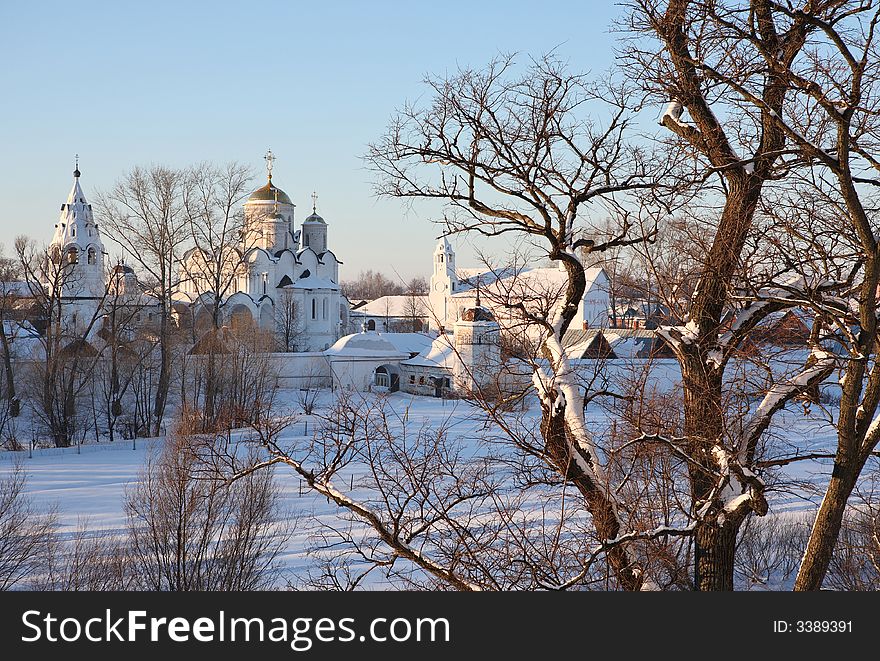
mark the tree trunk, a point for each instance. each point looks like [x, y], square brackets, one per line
[714, 539]
[7, 368]
[164, 373]
[601, 508]
[714, 549]
[826, 528]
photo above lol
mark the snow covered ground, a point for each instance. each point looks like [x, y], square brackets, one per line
[87, 485]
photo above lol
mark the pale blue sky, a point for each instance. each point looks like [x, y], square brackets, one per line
[125, 84]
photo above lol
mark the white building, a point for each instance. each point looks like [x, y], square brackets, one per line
[391, 314]
[77, 247]
[538, 288]
[287, 281]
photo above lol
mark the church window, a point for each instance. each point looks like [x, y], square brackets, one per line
[314, 309]
[306, 240]
[91, 256]
[421, 380]
[73, 229]
[441, 258]
[72, 256]
[412, 378]
[371, 324]
[324, 311]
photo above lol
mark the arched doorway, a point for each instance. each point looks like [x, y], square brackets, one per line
[387, 377]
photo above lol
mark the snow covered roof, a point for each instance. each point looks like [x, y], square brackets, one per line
[518, 281]
[411, 343]
[439, 355]
[394, 306]
[368, 344]
[315, 282]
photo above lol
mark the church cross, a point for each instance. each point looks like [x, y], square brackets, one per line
[270, 159]
[314, 202]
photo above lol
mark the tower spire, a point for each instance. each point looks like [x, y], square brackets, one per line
[478, 292]
[270, 159]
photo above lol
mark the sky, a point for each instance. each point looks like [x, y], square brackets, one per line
[127, 84]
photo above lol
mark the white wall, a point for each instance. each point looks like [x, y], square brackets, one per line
[302, 370]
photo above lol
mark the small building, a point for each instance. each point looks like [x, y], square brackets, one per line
[365, 361]
[406, 313]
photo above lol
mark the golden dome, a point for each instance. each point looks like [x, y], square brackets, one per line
[267, 194]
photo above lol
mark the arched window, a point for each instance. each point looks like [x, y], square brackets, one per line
[91, 255]
[306, 240]
[72, 255]
[324, 310]
[371, 324]
[314, 309]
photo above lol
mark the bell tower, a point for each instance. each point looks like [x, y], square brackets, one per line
[444, 283]
[77, 245]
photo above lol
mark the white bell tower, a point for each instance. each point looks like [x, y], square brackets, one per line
[77, 246]
[444, 283]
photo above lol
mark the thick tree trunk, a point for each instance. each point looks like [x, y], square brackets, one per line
[826, 528]
[714, 537]
[714, 550]
[601, 508]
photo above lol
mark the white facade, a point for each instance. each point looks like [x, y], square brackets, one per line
[77, 247]
[477, 349]
[365, 361]
[280, 286]
[453, 291]
[444, 283]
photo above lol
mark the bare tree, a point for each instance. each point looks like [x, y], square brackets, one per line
[371, 285]
[26, 533]
[189, 530]
[128, 345]
[10, 292]
[144, 214]
[221, 243]
[514, 153]
[63, 372]
[413, 312]
[729, 67]
[289, 320]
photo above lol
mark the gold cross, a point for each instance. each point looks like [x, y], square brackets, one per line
[269, 158]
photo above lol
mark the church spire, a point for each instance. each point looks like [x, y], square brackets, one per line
[76, 171]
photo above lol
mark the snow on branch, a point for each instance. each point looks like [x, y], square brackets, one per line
[819, 365]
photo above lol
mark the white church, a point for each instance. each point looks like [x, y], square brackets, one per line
[77, 245]
[287, 280]
[452, 291]
[466, 311]
[284, 276]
